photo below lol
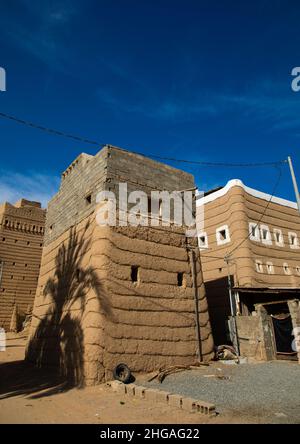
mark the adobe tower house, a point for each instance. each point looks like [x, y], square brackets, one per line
[108, 295]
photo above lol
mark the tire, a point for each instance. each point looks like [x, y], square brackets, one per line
[122, 373]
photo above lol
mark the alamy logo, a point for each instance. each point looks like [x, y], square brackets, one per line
[2, 79]
[136, 208]
[296, 81]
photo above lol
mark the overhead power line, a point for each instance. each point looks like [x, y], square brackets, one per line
[49, 130]
[101, 144]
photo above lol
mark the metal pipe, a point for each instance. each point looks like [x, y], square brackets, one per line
[294, 182]
[235, 340]
[194, 278]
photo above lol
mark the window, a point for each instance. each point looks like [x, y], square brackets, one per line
[298, 270]
[278, 236]
[286, 268]
[222, 235]
[28, 243]
[3, 239]
[88, 199]
[14, 264]
[254, 231]
[259, 266]
[180, 279]
[293, 240]
[134, 273]
[265, 235]
[270, 268]
[203, 241]
[25, 265]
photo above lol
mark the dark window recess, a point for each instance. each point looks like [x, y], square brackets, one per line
[223, 235]
[179, 279]
[134, 273]
[25, 265]
[88, 199]
[3, 239]
[28, 243]
[149, 205]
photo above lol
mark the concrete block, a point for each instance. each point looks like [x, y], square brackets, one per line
[140, 392]
[175, 401]
[189, 404]
[150, 394]
[163, 396]
[117, 387]
[130, 389]
[205, 408]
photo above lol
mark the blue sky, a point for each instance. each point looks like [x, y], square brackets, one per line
[199, 80]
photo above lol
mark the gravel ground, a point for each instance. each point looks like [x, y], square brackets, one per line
[266, 392]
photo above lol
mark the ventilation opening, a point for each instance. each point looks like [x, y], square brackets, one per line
[134, 273]
[149, 205]
[202, 241]
[88, 199]
[180, 279]
[223, 235]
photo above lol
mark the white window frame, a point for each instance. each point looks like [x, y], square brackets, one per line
[256, 236]
[218, 238]
[259, 266]
[279, 243]
[270, 267]
[205, 246]
[284, 266]
[267, 241]
[290, 235]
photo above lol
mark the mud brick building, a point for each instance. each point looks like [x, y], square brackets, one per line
[21, 240]
[260, 235]
[109, 295]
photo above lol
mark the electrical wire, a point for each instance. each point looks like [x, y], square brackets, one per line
[170, 159]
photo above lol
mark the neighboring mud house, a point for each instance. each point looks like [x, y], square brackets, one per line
[109, 295]
[261, 240]
[21, 240]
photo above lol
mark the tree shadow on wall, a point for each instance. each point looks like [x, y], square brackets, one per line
[58, 340]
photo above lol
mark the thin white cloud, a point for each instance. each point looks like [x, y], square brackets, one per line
[31, 186]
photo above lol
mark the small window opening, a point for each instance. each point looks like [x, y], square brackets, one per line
[88, 199]
[3, 239]
[180, 279]
[223, 235]
[28, 243]
[134, 273]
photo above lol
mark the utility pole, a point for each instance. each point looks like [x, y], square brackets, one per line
[294, 182]
[234, 332]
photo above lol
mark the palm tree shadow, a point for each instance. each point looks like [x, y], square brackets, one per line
[58, 342]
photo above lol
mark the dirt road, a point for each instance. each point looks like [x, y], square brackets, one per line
[29, 395]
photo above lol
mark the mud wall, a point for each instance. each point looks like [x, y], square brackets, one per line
[89, 315]
[21, 240]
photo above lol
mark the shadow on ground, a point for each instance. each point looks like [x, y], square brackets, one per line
[21, 378]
